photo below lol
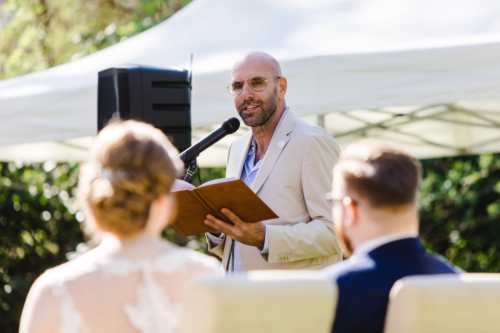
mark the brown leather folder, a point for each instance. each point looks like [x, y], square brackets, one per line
[194, 205]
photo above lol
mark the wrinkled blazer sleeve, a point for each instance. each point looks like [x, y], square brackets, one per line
[314, 238]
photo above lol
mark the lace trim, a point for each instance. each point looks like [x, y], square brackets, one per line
[153, 311]
[71, 318]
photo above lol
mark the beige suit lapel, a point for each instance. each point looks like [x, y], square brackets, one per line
[227, 250]
[235, 162]
[276, 147]
[238, 154]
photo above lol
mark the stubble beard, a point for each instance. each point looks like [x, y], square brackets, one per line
[268, 108]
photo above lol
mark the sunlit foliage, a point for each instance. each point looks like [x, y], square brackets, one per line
[460, 210]
[39, 34]
[39, 225]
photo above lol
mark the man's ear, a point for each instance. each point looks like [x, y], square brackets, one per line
[282, 86]
[351, 211]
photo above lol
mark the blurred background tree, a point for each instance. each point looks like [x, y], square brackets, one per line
[39, 225]
[38, 34]
[460, 210]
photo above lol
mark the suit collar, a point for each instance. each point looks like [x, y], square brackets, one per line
[274, 150]
[398, 248]
[374, 243]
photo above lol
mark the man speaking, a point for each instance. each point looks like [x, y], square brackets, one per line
[287, 162]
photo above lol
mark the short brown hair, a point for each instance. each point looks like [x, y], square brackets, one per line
[131, 164]
[385, 176]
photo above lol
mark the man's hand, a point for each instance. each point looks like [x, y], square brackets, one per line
[252, 234]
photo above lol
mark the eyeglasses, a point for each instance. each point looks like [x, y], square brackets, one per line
[256, 84]
[332, 200]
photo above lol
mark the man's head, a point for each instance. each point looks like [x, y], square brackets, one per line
[375, 191]
[258, 88]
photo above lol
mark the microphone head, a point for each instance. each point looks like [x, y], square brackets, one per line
[231, 125]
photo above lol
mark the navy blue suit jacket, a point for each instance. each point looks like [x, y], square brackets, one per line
[364, 283]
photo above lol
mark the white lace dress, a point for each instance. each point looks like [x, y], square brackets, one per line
[146, 291]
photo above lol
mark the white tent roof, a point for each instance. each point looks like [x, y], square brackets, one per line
[409, 72]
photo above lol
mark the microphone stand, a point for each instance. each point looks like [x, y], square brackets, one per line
[190, 171]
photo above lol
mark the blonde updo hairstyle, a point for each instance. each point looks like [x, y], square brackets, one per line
[131, 164]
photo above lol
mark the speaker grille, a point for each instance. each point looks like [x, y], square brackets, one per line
[161, 97]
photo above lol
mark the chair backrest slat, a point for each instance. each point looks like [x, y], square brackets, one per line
[261, 301]
[445, 303]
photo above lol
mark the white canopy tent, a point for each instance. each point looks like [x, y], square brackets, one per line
[421, 74]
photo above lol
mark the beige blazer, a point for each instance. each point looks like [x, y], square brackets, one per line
[294, 176]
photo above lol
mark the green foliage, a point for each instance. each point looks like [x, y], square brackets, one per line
[460, 210]
[44, 33]
[39, 225]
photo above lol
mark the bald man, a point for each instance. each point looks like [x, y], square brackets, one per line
[287, 162]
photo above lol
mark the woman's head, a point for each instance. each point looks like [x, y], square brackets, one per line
[131, 165]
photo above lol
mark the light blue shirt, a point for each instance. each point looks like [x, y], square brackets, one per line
[248, 175]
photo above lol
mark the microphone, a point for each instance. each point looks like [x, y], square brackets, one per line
[229, 126]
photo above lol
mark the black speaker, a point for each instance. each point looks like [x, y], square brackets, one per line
[160, 97]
